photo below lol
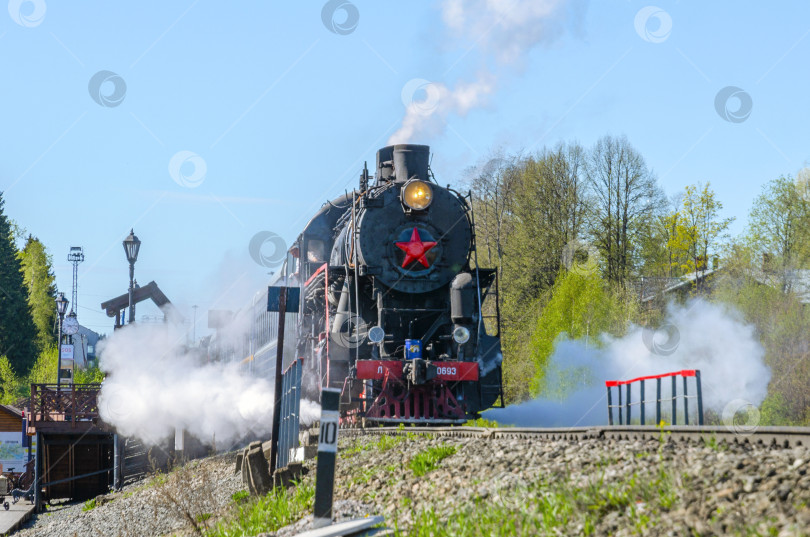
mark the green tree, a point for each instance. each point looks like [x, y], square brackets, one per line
[782, 323]
[89, 374]
[779, 229]
[526, 211]
[13, 388]
[44, 370]
[581, 307]
[700, 228]
[661, 254]
[548, 210]
[492, 185]
[40, 283]
[626, 196]
[18, 334]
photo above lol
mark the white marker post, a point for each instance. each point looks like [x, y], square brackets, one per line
[327, 456]
[179, 444]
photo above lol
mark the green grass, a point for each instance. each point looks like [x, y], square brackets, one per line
[716, 445]
[389, 442]
[356, 447]
[268, 513]
[482, 422]
[383, 443]
[89, 505]
[240, 496]
[158, 479]
[427, 460]
[364, 475]
[551, 506]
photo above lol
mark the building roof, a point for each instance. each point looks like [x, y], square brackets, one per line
[798, 281]
[650, 288]
[12, 410]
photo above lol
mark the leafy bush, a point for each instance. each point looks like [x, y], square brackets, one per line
[775, 411]
[782, 324]
[581, 307]
[88, 375]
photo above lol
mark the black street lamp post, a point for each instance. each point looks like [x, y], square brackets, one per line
[61, 308]
[131, 247]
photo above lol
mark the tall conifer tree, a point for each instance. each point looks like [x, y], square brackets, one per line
[18, 333]
[41, 286]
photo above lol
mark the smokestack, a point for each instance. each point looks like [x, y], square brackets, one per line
[403, 162]
[411, 161]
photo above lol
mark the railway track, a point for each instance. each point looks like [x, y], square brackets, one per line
[785, 437]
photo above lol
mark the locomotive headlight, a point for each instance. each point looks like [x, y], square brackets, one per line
[461, 335]
[417, 195]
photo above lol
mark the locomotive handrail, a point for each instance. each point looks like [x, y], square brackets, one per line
[321, 269]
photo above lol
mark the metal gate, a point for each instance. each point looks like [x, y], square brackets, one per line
[290, 413]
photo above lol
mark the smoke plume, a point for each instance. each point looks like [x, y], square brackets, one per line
[700, 335]
[155, 385]
[502, 32]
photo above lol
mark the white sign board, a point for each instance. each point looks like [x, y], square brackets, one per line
[12, 454]
[67, 352]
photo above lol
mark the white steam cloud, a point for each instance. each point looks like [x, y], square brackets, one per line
[700, 335]
[507, 29]
[155, 385]
[427, 114]
[503, 32]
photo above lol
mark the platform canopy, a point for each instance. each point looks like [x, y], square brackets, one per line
[150, 291]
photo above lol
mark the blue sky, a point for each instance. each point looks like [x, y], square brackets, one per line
[283, 109]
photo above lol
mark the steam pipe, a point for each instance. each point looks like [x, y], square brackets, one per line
[342, 308]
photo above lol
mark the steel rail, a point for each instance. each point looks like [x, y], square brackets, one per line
[785, 437]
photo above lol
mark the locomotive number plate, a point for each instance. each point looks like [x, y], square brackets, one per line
[457, 371]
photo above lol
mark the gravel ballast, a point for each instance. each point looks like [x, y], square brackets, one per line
[672, 488]
[533, 486]
[155, 506]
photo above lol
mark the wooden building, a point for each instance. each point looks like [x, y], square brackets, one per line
[13, 448]
[10, 419]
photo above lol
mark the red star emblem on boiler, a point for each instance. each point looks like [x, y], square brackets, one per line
[415, 249]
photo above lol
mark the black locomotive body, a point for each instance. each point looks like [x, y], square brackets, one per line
[391, 300]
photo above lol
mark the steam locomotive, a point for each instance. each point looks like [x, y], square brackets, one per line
[393, 309]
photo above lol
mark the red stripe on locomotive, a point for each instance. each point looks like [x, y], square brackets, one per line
[452, 371]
